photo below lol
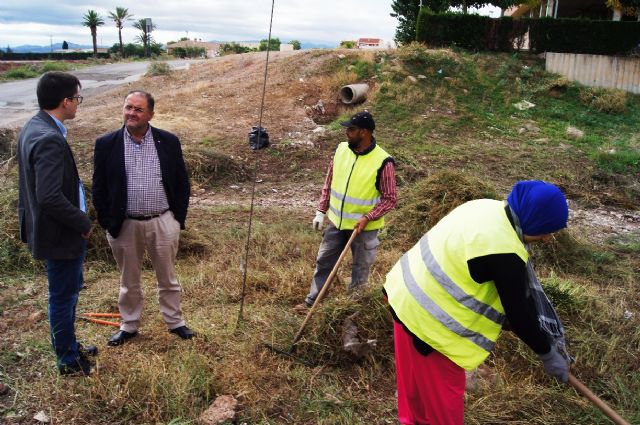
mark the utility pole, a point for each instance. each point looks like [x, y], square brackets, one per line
[149, 27]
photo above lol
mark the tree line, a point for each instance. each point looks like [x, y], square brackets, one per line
[120, 16]
[406, 11]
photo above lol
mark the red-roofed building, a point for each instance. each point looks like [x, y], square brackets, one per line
[369, 43]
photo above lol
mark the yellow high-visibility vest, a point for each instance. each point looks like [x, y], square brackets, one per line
[431, 289]
[353, 187]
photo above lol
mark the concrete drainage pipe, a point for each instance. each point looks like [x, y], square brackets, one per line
[354, 93]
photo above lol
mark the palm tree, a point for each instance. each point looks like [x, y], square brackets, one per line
[145, 37]
[119, 17]
[93, 21]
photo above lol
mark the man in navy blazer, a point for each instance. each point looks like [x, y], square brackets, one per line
[52, 211]
[141, 195]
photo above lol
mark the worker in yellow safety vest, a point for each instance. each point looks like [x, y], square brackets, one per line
[451, 293]
[359, 189]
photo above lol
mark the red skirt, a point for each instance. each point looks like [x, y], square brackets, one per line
[430, 388]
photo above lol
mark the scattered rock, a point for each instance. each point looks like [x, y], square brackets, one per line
[319, 107]
[532, 128]
[30, 290]
[319, 129]
[234, 187]
[627, 315]
[523, 105]
[412, 79]
[341, 56]
[222, 410]
[574, 133]
[422, 77]
[35, 317]
[41, 417]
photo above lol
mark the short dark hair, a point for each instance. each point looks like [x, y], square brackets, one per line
[151, 102]
[54, 87]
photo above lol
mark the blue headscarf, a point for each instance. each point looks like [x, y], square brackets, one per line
[541, 207]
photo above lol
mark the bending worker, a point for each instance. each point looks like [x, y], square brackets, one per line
[360, 188]
[451, 292]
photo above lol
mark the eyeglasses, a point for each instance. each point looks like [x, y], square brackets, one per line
[130, 108]
[76, 97]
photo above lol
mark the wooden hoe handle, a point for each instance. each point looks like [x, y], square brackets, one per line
[325, 288]
[594, 399]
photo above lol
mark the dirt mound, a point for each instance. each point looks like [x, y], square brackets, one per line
[209, 168]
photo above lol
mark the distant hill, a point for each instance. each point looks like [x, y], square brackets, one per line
[28, 48]
[304, 44]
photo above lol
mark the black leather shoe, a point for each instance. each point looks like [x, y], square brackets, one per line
[81, 367]
[87, 350]
[120, 338]
[183, 332]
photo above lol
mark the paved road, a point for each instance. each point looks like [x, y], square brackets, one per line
[18, 99]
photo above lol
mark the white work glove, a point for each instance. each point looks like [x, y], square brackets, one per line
[318, 222]
[555, 365]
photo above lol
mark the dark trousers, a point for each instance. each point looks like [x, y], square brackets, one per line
[65, 281]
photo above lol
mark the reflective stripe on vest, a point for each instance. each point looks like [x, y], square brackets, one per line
[353, 187]
[436, 311]
[453, 289]
[353, 200]
[433, 294]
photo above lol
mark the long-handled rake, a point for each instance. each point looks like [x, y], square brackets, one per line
[289, 353]
[596, 401]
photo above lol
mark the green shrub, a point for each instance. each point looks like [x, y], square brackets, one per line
[605, 100]
[25, 71]
[364, 69]
[158, 68]
[54, 66]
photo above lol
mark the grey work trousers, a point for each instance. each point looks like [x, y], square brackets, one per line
[363, 251]
[159, 237]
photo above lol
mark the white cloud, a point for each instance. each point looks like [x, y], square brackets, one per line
[36, 22]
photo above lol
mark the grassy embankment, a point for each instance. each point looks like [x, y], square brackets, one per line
[456, 136]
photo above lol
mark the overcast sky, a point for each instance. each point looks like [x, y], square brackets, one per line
[40, 22]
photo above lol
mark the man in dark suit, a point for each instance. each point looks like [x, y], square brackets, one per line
[141, 195]
[52, 211]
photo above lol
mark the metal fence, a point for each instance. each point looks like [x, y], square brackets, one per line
[597, 71]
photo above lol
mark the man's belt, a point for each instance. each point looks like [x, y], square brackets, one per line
[145, 217]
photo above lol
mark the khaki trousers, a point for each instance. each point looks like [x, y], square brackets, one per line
[159, 237]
